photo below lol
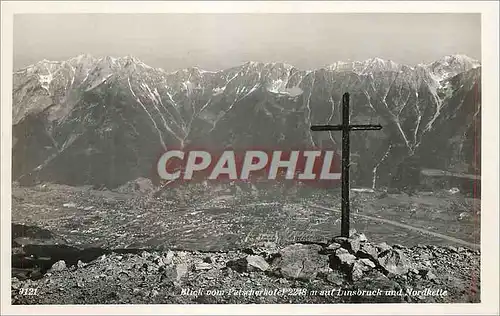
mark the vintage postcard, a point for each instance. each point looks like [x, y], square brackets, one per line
[248, 158]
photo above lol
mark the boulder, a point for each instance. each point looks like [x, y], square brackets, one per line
[367, 262]
[58, 266]
[354, 245]
[452, 249]
[257, 263]
[249, 264]
[169, 257]
[16, 284]
[239, 265]
[331, 248]
[202, 266]
[161, 261]
[342, 258]
[430, 276]
[300, 261]
[265, 249]
[359, 267]
[340, 240]
[359, 236]
[426, 256]
[394, 262]
[368, 251]
[335, 277]
[181, 270]
[80, 264]
[383, 247]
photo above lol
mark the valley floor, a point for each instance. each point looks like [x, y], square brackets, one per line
[212, 220]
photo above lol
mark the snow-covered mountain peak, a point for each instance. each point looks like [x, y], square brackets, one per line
[379, 64]
[365, 67]
[451, 65]
[459, 59]
[277, 77]
[200, 71]
[268, 65]
[445, 67]
[133, 60]
[86, 57]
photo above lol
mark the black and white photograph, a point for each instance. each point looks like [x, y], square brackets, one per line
[246, 158]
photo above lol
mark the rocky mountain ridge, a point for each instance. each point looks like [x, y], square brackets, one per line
[112, 117]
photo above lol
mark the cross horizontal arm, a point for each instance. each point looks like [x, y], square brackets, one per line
[319, 128]
[365, 127]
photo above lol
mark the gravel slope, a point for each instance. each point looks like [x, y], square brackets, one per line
[424, 274]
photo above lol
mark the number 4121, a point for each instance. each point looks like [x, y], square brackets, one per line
[28, 291]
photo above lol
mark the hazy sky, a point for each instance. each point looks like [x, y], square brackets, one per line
[217, 41]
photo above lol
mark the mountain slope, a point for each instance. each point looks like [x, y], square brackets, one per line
[104, 121]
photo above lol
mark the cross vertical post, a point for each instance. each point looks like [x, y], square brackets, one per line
[346, 128]
[344, 229]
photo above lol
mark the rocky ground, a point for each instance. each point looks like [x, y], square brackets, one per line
[344, 270]
[86, 246]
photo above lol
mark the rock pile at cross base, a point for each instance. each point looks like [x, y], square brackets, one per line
[346, 270]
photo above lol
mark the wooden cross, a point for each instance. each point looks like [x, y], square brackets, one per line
[346, 128]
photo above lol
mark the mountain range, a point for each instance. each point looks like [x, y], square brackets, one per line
[104, 121]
